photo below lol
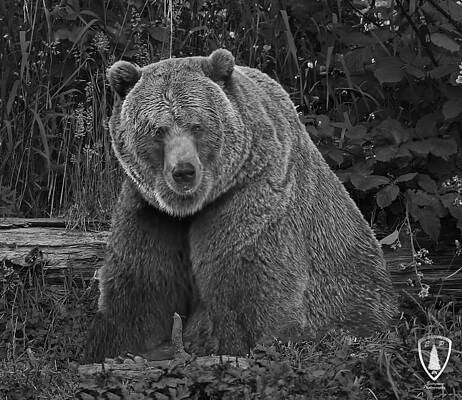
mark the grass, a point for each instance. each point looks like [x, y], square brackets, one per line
[22, 379]
[43, 331]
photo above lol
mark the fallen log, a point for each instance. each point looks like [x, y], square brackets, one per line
[441, 271]
[63, 253]
[150, 367]
[60, 252]
[139, 366]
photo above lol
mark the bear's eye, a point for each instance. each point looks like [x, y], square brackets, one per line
[158, 132]
[196, 128]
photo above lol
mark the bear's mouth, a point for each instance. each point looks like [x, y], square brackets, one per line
[184, 185]
[183, 190]
[183, 200]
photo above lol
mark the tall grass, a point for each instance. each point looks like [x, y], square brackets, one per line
[55, 154]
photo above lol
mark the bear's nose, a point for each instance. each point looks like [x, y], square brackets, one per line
[183, 173]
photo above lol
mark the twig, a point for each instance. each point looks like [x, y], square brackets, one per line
[455, 23]
[363, 15]
[419, 35]
[177, 339]
[454, 273]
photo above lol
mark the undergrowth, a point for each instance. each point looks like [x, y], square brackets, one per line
[42, 332]
[376, 84]
[386, 366]
[43, 336]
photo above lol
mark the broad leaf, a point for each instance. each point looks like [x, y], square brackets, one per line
[356, 59]
[444, 41]
[336, 155]
[389, 74]
[403, 152]
[448, 201]
[443, 70]
[426, 126]
[356, 132]
[312, 130]
[419, 197]
[356, 179]
[344, 176]
[438, 207]
[429, 222]
[362, 168]
[450, 7]
[443, 147]
[427, 183]
[452, 108]
[160, 33]
[389, 70]
[392, 130]
[419, 147]
[370, 182]
[414, 71]
[406, 177]
[387, 195]
[390, 239]
[385, 153]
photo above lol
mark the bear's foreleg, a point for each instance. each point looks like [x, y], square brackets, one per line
[145, 279]
[244, 298]
[245, 257]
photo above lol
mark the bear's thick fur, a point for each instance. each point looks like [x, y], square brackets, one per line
[229, 216]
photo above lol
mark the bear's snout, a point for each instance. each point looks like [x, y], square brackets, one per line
[184, 176]
[184, 173]
[182, 166]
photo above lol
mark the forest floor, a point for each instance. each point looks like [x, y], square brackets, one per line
[43, 330]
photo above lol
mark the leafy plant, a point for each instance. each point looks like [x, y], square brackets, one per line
[338, 367]
[384, 105]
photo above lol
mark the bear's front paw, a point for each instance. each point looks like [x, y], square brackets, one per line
[101, 339]
[198, 338]
[221, 336]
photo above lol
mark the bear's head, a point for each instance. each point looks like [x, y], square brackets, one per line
[175, 131]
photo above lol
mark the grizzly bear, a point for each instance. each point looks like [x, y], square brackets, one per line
[229, 216]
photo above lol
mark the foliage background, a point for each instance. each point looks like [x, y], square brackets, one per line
[375, 82]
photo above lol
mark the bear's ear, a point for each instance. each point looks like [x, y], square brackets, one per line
[221, 64]
[123, 76]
